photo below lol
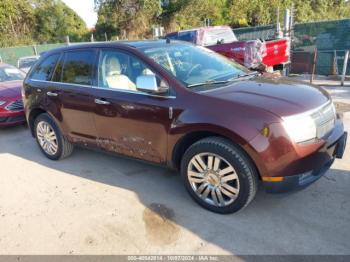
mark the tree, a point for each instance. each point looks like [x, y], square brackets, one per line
[16, 22]
[180, 14]
[135, 17]
[31, 21]
[127, 18]
[54, 21]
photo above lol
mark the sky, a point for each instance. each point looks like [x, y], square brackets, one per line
[85, 9]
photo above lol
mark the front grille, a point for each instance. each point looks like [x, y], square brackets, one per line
[15, 106]
[14, 119]
[325, 119]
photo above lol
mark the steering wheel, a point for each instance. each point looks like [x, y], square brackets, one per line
[196, 66]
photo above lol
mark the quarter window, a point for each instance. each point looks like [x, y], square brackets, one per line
[45, 69]
[77, 67]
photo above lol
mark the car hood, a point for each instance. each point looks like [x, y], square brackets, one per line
[10, 89]
[280, 96]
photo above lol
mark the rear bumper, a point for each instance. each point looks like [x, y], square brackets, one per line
[12, 118]
[300, 181]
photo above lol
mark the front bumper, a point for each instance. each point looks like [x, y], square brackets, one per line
[12, 118]
[300, 181]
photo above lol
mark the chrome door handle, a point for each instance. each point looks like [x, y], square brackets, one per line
[101, 102]
[51, 94]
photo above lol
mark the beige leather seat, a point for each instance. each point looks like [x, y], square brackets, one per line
[115, 78]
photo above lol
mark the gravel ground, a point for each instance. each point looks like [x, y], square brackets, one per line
[93, 203]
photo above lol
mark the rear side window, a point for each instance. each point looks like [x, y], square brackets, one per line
[45, 69]
[77, 67]
[188, 36]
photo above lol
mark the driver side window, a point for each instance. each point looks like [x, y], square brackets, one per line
[118, 70]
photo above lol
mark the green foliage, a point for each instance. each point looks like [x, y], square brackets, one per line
[54, 21]
[49, 21]
[134, 17]
[127, 18]
[16, 22]
[25, 22]
[182, 14]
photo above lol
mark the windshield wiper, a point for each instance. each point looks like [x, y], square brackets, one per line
[209, 82]
[215, 82]
[245, 75]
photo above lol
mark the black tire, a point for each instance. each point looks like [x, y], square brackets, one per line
[65, 148]
[237, 158]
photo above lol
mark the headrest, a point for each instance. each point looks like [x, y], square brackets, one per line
[113, 66]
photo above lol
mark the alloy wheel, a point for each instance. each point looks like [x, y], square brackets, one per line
[213, 179]
[47, 138]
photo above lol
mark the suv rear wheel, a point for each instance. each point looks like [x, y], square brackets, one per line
[50, 139]
[218, 175]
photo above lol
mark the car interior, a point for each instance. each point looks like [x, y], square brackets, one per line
[120, 71]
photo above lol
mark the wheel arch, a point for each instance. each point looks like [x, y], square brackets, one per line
[34, 113]
[194, 136]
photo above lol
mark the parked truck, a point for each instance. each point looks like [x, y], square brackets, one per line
[255, 54]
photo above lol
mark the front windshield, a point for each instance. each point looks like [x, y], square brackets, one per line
[194, 65]
[9, 73]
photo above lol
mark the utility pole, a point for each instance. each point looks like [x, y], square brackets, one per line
[67, 40]
[278, 33]
[35, 50]
[345, 65]
[313, 69]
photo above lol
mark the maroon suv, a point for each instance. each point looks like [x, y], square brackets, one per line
[172, 103]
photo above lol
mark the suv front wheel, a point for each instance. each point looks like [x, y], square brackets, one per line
[50, 139]
[218, 175]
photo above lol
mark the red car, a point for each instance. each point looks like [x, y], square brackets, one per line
[11, 105]
[253, 54]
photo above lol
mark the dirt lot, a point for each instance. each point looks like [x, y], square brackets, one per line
[93, 203]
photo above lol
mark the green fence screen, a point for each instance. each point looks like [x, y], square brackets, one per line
[10, 55]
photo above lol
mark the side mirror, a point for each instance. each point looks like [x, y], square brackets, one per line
[148, 83]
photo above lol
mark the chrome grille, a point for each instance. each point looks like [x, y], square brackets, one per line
[325, 119]
[15, 106]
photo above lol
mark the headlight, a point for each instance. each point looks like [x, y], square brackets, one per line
[2, 102]
[300, 128]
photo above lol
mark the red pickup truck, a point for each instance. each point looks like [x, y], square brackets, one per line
[253, 54]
